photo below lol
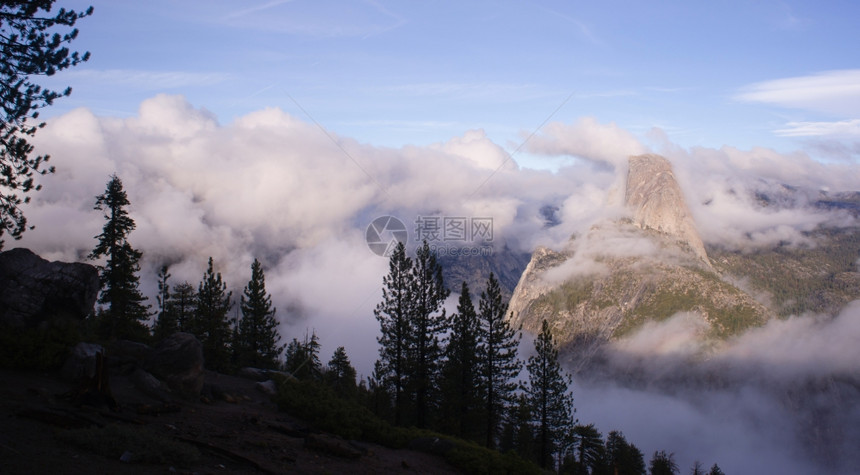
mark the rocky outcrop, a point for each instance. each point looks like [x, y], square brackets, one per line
[173, 368]
[587, 310]
[34, 290]
[178, 361]
[620, 274]
[657, 203]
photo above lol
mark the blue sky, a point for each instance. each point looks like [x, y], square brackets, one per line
[784, 75]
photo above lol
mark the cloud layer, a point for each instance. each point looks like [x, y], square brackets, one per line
[273, 187]
[779, 398]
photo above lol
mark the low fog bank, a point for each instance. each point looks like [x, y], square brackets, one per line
[783, 398]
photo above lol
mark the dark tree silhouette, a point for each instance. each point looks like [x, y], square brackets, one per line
[303, 357]
[498, 361]
[462, 401]
[393, 314]
[182, 306]
[518, 432]
[589, 448]
[258, 335]
[663, 464]
[715, 470]
[427, 327]
[33, 43]
[623, 458]
[211, 323]
[340, 374]
[549, 400]
[165, 322]
[698, 468]
[124, 311]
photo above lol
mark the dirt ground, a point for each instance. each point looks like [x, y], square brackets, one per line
[239, 431]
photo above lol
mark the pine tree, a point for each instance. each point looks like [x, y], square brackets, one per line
[182, 306]
[165, 323]
[258, 337]
[340, 374]
[125, 312]
[497, 357]
[379, 398]
[623, 458]
[33, 43]
[589, 448]
[428, 326]
[518, 431]
[715, 470]
[547, 391]
[211, 323]
[303, 357]
[462, 399]
[663, 464]
[393, 314]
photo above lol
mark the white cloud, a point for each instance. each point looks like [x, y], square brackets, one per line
[587, 139]
[833, 92]
[817, 129]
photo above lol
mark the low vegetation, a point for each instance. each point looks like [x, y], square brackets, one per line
[817, 278]
[320, 406]
[132, 444]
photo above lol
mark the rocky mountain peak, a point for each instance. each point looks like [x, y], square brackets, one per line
[657, 203]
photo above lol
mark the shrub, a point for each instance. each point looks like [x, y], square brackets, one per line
[42, 348]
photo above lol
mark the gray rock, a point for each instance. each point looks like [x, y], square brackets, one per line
[128, 353]
[33, 290]
[267, 387]
[255, 374]
[178, 361]
[149, 385]
[657, 203]
[81, 363]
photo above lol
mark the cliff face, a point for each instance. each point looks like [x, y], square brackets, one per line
[650, 266]
[656, 201]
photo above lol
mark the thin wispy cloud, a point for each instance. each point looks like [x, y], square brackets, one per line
[831, 92]
[818, 129]
[583, 29]
[256, 9]
[316, 19]
[148, 80]
[497, 91]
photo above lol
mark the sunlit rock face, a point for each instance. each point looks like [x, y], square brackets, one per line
[646, 266]
[656, 201]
